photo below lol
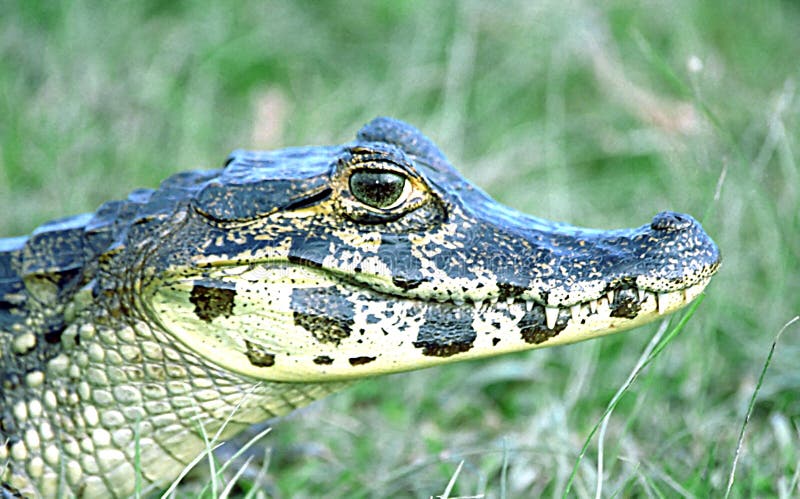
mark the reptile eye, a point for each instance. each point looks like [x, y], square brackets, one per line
[379, 189]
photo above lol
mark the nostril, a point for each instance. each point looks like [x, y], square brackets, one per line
[669, 221]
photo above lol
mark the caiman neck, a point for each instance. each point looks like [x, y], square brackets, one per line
[118, 384]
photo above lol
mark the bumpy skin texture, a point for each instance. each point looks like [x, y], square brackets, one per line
[229, 296]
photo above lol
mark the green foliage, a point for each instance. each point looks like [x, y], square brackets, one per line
[596, 114]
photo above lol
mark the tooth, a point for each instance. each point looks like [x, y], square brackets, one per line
[642, 294]
[509, 301]
[575, 310]
[493, 300]
[610, 296]
[663, 302]
[529, 305]
[692, 292]
[551, 314]
[593, 306]
[458, 302]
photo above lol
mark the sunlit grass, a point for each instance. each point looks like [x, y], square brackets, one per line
[596, 115]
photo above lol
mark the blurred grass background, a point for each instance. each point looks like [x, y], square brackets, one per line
[599, 114]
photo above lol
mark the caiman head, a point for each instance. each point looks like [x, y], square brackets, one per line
[332, 263]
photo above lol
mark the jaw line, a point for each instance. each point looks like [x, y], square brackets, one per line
[664, 302]
[382, 285]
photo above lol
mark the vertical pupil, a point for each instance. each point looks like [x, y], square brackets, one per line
[378, 189]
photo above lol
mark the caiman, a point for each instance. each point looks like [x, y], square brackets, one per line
[226, 297]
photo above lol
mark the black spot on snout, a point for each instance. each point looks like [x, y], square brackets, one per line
[323, 360]
[211, 301]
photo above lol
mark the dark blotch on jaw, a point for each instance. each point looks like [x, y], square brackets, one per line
[323, 360]
[324, 329]
[447, 330]
[626, 304]
[211, 301]
[325, 313]
[358, 361]
[258, 356]
[433, 349]
[533, 325]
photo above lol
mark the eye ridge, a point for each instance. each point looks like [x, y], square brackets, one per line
[377, 188]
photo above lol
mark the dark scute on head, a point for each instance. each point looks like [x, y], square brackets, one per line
[56, 246]
[405, 136]
[52, 261]
[255, 184]
[177, 189]
[225, 202]
[10, 253]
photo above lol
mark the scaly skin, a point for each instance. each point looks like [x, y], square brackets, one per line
[230, 296]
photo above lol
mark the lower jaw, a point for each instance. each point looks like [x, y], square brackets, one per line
[616, 311]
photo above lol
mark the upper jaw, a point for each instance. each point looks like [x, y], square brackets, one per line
[556, 265]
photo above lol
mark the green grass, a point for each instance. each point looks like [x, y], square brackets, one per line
[568, 110]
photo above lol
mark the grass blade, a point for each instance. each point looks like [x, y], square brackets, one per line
[656, 351]
[752, 404]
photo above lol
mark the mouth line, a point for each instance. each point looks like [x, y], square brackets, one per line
[623, 302]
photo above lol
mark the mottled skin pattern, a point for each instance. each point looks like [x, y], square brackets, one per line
[229, 296]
